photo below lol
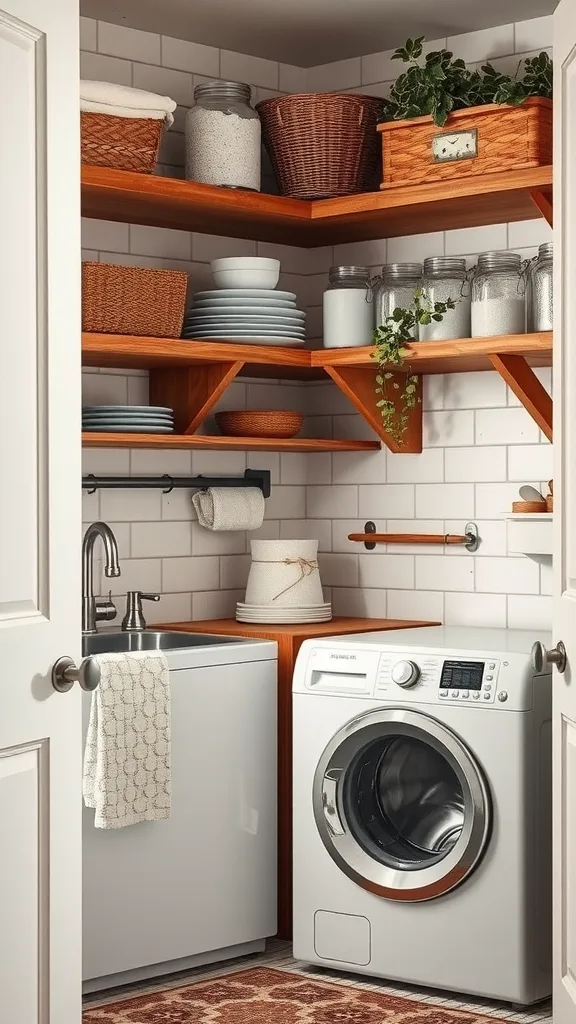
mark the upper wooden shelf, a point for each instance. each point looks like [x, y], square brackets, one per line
[450, 356]
[169, 202]
[120, 350]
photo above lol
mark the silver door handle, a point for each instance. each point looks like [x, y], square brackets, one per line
[65, 674]
[330, 801]
[542, 657]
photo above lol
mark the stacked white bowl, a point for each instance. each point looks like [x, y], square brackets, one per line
[284, 584]
[245, 307]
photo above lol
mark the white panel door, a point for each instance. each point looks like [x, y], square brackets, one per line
[40, 518]
[565, 505]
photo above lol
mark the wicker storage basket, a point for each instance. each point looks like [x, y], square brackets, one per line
[261, 423]
[324, 144]
[133, 300]
[507, 138]
[126, 143]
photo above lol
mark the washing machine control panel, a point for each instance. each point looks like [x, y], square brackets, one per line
[438, 678]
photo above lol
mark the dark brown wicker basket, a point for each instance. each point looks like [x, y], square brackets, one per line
[126, 143]
[133, 300]
[323, 144]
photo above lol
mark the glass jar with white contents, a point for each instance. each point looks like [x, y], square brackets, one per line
[396, 289]
[542, 289]
[498, 295]
[348, 308]
[445, 277]
[223, 137]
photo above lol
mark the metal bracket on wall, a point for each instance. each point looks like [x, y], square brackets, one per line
[470, 539]
[252, 478]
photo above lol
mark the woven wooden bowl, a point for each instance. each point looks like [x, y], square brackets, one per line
[529, 506]
[261, 423]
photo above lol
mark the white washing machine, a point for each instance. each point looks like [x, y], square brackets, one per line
[422, 809]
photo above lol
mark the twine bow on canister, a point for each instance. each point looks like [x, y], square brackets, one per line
[307, 567]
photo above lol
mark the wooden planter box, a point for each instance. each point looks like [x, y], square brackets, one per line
[498, 138]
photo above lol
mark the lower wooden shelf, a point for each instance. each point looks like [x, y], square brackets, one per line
[216, 441]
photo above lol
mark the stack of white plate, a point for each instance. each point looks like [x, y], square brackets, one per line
[260, 316]
[267, 613]
[128, 419]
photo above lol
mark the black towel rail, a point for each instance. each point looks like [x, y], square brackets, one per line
[252, 478]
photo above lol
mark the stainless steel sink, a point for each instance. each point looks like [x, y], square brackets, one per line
[150, 640]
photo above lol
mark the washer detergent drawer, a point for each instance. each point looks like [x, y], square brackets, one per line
[205, 878]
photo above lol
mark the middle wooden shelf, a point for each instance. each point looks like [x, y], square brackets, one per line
[191, 376]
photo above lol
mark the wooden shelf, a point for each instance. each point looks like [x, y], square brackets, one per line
[219, 443]
[127, 351]
[169, 202]
[191, 376]
[457, 356]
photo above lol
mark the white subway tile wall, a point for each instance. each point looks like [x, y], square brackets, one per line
[480, 445]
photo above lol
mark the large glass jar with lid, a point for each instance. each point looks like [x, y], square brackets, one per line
[348, 308]
[223, 136]
[498, 295]
[396, 288]
[445, 277]
[542, 289]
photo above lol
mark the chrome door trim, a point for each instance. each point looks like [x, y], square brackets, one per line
[409, 885]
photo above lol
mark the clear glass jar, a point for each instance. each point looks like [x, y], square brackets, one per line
[348, 308]
[396, 288]
[223, 137]
[542, 304]
[445, 277]
[498, 295]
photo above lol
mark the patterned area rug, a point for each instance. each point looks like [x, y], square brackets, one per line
[265, 996]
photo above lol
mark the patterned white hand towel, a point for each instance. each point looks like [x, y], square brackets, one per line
[124, 101]
[127, 757]
[229, 508]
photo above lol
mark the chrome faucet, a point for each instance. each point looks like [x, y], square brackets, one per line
[94, 611]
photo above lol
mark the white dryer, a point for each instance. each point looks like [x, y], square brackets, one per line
[422, 809]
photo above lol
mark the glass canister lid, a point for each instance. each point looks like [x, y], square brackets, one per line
[349, 275]
[499, 261]
[444, 265]
[395, 271]
[228, 90]
[546, 251]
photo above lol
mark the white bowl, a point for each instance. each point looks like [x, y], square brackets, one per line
[245, 272]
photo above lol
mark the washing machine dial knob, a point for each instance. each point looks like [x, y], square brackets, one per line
[405, 673]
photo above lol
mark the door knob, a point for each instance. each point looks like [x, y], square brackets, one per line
[542, 657]
[65, 674]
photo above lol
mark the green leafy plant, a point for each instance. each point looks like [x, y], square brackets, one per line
[390, 339]
[440, 83]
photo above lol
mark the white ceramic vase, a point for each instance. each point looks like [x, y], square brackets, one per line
[284, 574]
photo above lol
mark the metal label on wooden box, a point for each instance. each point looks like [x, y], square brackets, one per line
[448, 146]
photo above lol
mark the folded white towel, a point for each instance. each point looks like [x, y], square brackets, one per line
[230, 508]
[123, 101]
[127, 757]
[91, 107]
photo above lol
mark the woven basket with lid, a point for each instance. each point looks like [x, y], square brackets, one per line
[133, 300]
[323, 144]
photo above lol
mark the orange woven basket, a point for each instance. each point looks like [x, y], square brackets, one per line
[133, 300]
[261, 423]
[126, 143]
[323, 144]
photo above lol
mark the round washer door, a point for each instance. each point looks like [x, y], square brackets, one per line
[401, 805]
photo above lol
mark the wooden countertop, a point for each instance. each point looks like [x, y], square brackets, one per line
[339, 624]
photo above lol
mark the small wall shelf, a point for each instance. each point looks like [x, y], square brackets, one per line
[530, 533]
[522, 194]
[191, 376]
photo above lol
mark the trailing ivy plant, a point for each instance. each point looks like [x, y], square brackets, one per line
[390, 339]
[440, 84]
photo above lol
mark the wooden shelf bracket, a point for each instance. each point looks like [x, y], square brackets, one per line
[544, 203]
[192, 392]
[524, 383]
[359, 385]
